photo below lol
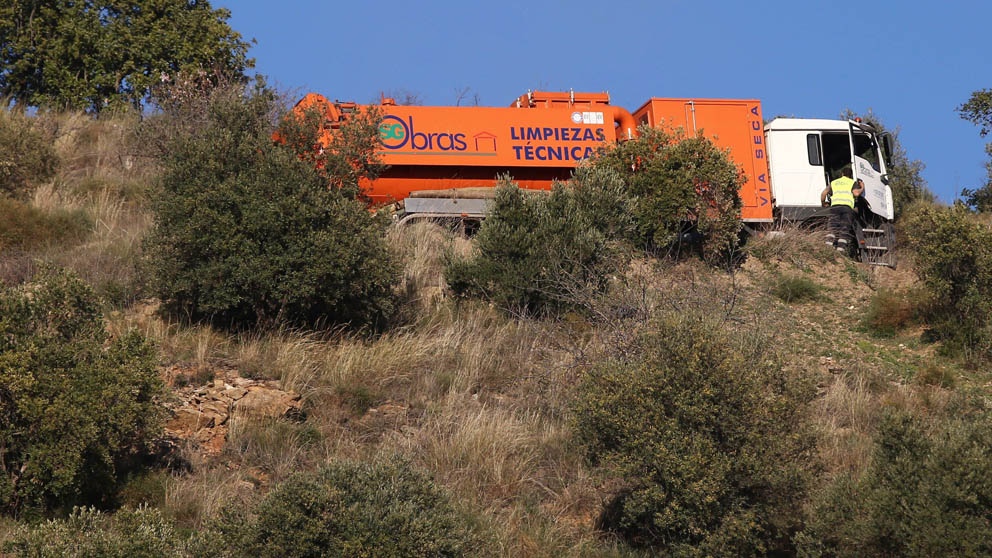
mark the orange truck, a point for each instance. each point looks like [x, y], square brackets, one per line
[438, 157]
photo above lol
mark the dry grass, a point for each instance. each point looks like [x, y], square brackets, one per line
[847, 414]
[100, 177]
[491, 455]
[194, 499]
[800, 246]
[424, 248]
[462, 394]
[7, 528]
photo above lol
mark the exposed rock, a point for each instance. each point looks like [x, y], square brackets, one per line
[186, 421]
[201, 414]
[268, 402]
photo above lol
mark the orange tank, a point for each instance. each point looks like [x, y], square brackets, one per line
[540, 138]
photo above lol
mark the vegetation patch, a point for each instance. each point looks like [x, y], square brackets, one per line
[24, 227]
[797, 288]
[705, 434]
[926, 492]
[88, 533]
[954, 263]
[247, 233]
[537, 253]
[76, 405]
[891, 310]
[27, 154]
[385, 509]
[684, 188]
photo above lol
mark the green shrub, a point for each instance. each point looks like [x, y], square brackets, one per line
[923, 494]
[935, 375]
[75, 405]
[27, 155]
[706, 435]
[796, 288]
[351, 509]
[539, 253]
[144, 488]
[246, 232]
[88, 533]
[23, 227]
[680, 184]
[953, 255]
[891, 310]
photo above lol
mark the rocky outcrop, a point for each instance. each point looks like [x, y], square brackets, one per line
[202, 415]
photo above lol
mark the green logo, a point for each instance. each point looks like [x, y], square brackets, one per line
[391, 131]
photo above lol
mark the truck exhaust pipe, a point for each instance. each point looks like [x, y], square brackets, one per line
[625, 123]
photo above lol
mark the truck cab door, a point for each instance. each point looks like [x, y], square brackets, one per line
[869, 166]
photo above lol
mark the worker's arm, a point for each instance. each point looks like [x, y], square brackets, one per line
[828, 191]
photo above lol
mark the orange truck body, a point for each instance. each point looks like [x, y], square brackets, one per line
[540, 139]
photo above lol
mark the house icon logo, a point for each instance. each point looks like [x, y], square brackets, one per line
[485, 142]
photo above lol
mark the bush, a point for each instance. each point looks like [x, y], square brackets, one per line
[539, 253]
[246, 232]
[27, 155]
[87, 533]
[23, 227]
[953, 255]
[933, 374]
[352, 509]
[793, 288]
[891, 310]
[75, 405]
[680, 185]
[922, 495]
[706, 434]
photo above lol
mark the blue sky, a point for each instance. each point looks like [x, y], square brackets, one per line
[912, 62]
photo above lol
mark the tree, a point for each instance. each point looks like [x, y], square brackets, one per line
[75, 404]
[250, 232]
[95, 54]
[905, 174]
[978, 111]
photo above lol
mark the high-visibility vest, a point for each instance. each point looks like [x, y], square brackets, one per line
[841, 193]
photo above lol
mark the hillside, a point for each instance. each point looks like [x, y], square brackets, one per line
[481, 401]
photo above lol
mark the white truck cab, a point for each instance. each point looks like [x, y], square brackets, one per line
[805, 155]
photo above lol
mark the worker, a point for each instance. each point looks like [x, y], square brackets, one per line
[842, 192]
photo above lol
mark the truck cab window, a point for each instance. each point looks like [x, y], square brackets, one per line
[867, 149]
[836, 154]
[813, 149]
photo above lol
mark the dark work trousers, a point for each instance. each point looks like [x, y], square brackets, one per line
[842, 226]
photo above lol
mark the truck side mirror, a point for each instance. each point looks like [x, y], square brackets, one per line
[887, 149]
[885, 179]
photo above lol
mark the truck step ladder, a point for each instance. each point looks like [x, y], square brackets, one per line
[878, 246]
